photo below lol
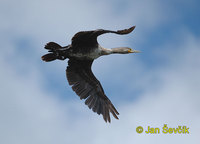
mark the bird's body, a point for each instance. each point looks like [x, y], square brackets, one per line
[83, 50]
[90, 55]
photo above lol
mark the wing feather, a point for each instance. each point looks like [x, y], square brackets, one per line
[84, 41]
[86, 86]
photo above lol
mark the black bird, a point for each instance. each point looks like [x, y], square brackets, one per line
[83, 50]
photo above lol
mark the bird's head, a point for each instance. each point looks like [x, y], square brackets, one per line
[124, 50]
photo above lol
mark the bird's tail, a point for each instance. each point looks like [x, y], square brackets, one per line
[49, 57]
[55, 52]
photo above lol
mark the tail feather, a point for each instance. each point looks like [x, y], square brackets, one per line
[52, 46]
[55, 52]
[49, 57]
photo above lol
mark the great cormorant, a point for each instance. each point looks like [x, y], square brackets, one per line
[81, 53]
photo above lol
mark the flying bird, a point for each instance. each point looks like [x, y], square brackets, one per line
[82, 51]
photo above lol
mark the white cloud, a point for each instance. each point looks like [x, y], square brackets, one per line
[31, 115]
[176, 101]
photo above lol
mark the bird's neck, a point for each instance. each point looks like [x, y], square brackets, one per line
[116, 50]
[106, 51]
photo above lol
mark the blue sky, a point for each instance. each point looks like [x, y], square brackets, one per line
[156, 87]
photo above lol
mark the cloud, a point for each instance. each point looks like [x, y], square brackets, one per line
[32, 115]
[175, 102]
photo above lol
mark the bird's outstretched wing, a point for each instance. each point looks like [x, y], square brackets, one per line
[86, 86]
[88, 39]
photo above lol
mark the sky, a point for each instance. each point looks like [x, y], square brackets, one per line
[158, 86]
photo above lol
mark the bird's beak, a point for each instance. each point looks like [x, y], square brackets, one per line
[134, 51]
